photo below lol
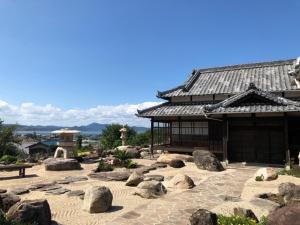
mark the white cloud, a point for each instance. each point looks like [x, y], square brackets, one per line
[31, 114]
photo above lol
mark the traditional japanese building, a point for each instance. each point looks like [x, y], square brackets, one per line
[248, 112]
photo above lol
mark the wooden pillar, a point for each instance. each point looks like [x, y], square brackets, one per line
[286, 140]
[170, 133]
[225, 138]
[179, 125]
[152, 137]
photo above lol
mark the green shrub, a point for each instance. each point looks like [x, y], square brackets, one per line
[295, 172]
[236, 220]
[259, 178]
[122, 155]
[131, 164]
[104, 167]
[8, 159]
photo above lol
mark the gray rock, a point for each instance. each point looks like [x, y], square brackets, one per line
[58, 164]
[207, 161]
[154, 177]
[111, 176]
[248, 213]
[40, 185]
[267, 205]
[176, 163]
[30, 211]
[49, 188]
[290, 192]
[181, 181]
[97, 199]
[71, 179]
[8, 200]
[150, 189]
[133, 153]
[287, 215]
[76, 193]
[203, 217]
[19, 191]
[58, 191]
[134, 179]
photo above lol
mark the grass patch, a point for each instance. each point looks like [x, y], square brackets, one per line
[295, 172]
[237, 220]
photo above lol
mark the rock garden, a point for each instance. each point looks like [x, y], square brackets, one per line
[125, 185]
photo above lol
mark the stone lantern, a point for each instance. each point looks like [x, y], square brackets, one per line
[66, 143]
[123, 135]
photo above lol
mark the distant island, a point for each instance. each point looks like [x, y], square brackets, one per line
[93, 128]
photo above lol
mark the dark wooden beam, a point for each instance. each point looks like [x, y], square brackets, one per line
[286, 140]
[225, 138]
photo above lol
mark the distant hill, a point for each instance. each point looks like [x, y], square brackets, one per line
[93, 127]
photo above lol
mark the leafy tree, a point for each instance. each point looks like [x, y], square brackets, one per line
[141, 139]
[79, 142]
[110, 137]
[8, 141]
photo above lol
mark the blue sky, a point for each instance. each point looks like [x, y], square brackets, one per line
[64, 55]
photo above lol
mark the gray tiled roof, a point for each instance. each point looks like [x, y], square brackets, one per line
[267, 76]
[172, 109]
[236, 104]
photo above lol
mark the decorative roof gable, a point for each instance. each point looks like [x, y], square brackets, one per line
[253, 96]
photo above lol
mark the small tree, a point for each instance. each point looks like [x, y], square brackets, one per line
[79, 142]
[8, 141]
[141, 139]
[110, 137]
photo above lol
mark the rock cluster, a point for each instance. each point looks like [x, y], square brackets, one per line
[207, 161]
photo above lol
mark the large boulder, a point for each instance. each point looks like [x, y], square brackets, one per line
[176, 163]
[267, 174]
[97, 199]
[181, 181]
[150, 189]
[59, 164]
[134, 179]
[133, 152]
[7, 200]
[168, 157]
[203, 217]
[207, 161]
[290, 192]
[30, 211]
[287, 215]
